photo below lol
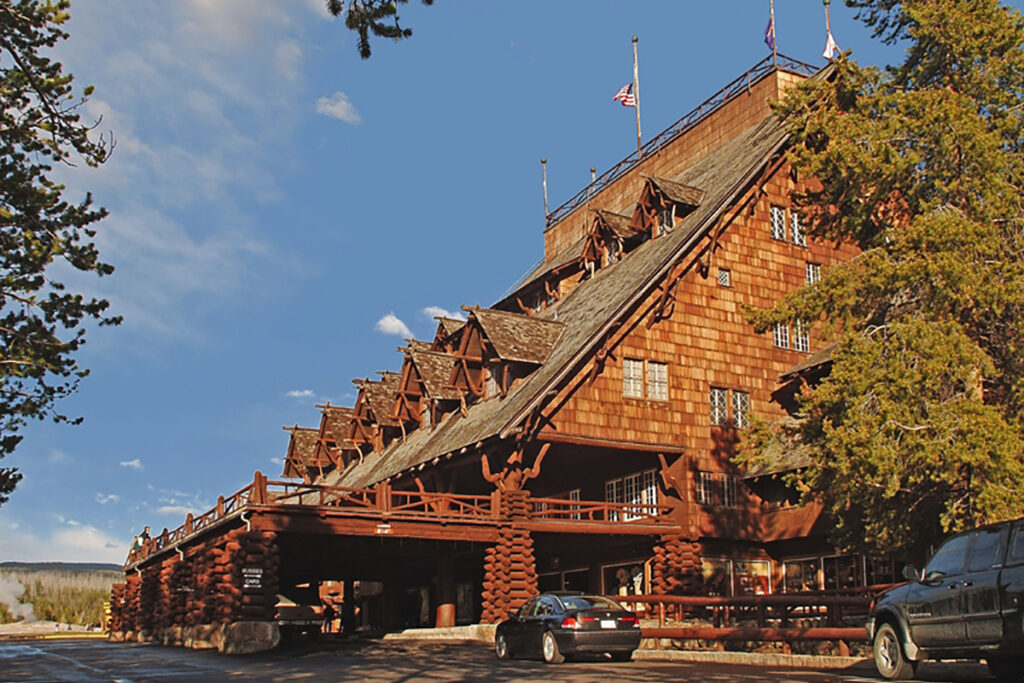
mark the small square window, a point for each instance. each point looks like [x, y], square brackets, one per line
[780, 335]
[724, 277]
[633, 378]
[777, 215]
[657, 381]
[813, 272]
[718, 400]
[797, 230]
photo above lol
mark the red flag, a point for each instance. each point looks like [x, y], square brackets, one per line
[625, 96]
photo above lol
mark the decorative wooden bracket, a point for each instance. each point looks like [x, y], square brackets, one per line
[667, 300]
[670, 482]
[513, 476]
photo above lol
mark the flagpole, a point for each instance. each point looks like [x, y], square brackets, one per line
[775, 37]
[636, 99]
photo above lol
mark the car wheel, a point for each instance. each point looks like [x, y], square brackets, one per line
[622, 656]
[549, 648]
[889, 658]
[1006, 669]
[501, 647]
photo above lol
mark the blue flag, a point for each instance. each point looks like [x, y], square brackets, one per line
[769, 34]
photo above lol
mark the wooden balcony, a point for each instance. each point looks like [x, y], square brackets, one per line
[289, 506]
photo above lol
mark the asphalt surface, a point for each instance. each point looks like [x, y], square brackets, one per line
[84, 660]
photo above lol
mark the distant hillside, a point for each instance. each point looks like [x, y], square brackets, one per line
[65, 592]
[61, 566]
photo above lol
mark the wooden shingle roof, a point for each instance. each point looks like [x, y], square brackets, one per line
[380, 396]
[590, 310]
[301, 449]
[616, 222]
[519, 338]
[435, 368]
[679, 192]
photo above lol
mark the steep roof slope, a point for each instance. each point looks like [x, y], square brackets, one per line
[589, 310]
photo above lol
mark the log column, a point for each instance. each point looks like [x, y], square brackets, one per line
[258, 578]
[118, 612]
[445, 592]
[348, 607]
[676, 566]
[510, 571]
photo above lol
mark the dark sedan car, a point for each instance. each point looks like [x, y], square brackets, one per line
[554, 626]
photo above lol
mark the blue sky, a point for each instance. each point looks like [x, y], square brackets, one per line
[281, 210]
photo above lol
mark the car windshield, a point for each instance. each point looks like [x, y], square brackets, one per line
[588, 602]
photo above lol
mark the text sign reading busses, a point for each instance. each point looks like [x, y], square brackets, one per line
[253, 577]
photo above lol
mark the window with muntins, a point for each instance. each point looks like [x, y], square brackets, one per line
[633, 378]
[716, 489]
[639, 490]
[724, 277]
[718, 400]
[657, 380]
[797, 230]
[801, 336]
[813, 271]
[777, 218]
[740, 409]
[780, 335]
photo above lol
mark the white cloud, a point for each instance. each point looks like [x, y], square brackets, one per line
[104, 498]
[57, 455]
[135, 464]
[288, 58]
[392, 324]
[277, 461]
[180, 510]
[300, 393]
[338, 106]
[437, 311]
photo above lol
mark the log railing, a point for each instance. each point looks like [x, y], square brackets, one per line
[786, 617]
[384, 502]
[688, 121]
[561, 509]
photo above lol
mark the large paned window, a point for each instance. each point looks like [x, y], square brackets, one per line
[719, 405]
[780, 335]
[813, 272]
[801, 336]
[639, 490]
[801, 575]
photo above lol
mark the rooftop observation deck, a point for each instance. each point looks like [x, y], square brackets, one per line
[705, 109]
[309, 508]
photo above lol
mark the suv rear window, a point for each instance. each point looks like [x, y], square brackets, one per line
[1017, 549]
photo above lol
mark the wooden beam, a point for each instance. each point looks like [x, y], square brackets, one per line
[609, 443]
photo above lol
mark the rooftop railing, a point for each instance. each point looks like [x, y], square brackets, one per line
[688, 121]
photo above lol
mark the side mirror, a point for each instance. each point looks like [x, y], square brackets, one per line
[933, 578]
[912, 573]
[513, 614]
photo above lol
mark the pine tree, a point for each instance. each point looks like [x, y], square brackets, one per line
[917, 430]
[379, 17]
[42, 324]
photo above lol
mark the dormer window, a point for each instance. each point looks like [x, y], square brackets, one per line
[666, 219]
[611, 251]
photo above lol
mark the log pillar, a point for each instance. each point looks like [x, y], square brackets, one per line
[676, 568]
[510, 571]
[348, 607]
[445, 592]
[391, 600]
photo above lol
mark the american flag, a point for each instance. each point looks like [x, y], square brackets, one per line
[625, 96]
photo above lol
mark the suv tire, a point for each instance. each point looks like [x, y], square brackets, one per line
[890, 661]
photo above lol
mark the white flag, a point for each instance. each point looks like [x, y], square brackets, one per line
[831, 47]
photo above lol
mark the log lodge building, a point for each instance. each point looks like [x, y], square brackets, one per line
[577, 434]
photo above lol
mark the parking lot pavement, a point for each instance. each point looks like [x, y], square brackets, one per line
[387, 661]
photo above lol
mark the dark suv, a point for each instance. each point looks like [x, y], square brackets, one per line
[967, 603]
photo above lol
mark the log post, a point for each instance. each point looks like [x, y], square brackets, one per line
[348, 607]
[445, 616]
